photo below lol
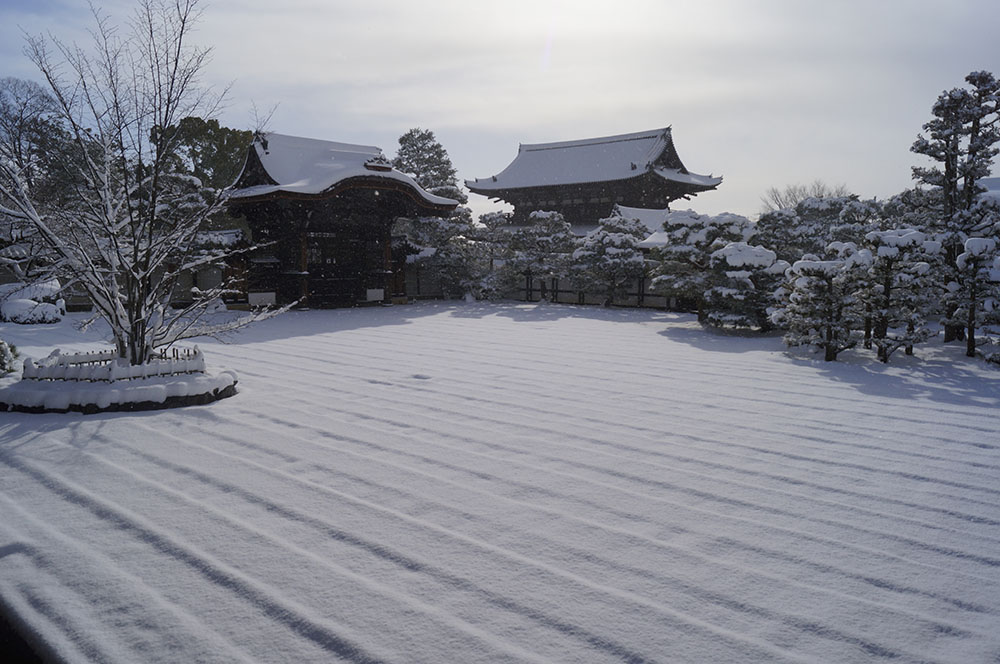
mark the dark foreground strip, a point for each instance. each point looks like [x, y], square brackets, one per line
[169, 402]
[14, 649]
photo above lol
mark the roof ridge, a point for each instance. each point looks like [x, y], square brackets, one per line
[597, 140]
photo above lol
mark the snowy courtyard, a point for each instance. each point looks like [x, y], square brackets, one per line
[471, 482]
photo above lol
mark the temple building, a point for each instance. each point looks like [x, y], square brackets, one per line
[323, 214]
[585, 179]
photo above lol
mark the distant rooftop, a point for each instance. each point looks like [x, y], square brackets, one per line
[602, 159]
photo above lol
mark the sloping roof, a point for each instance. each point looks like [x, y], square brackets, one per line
[308, 166]
[602, 159]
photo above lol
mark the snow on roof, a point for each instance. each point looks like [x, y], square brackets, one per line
[311, 166]
[593, 160]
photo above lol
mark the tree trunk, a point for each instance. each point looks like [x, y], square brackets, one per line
[970, 324]
[829, 348]
[868, 327]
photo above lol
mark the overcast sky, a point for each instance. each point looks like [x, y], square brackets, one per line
[763, 92]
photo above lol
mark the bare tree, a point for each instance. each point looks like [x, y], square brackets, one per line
[791, 195]
[128, 228]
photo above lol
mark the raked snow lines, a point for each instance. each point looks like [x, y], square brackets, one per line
[516, 483]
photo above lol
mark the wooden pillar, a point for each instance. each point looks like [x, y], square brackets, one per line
[388, 280]
[304, 268]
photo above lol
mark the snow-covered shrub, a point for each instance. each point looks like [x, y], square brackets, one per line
[899, 288]
[813, 223]
[543, 249]
[745, 277]
[685, 260]
[7, 355]
[28, 312]
[609, 259]
[818, 303]
[31, 303]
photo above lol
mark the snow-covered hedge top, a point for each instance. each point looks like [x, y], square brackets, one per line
[741, 254]
[310, 166]
[727, 221]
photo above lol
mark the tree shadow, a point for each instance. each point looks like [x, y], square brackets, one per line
[689, 331]
[942, 374]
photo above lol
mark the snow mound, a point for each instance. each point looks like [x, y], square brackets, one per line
[45, 396]
[29, 312]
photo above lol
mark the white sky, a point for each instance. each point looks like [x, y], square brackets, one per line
[763, 92]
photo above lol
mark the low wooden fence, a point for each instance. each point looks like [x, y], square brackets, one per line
[106, 366]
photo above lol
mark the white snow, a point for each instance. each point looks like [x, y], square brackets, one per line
[741, 254]
[311, 166]
[470, 482]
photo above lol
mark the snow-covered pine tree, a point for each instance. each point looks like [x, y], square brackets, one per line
[494, 235]
[421, 156]
[445, 246]
[962, 139]
[543, 249]
[976, 290]
[814, 223]
[608, 259]
[745, 277]
[819, 305]
[125, 230]
[685, 269]
[899, 288]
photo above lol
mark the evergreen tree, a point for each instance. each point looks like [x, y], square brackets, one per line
[543, 249]
[899, 288]
[976, 290]
[421, 156]
[813, 224]
[962, 139]
[745, 277]
[212, 153]
[494, 236]
[445, 247]
[819, 305]
[685, 269]
[609, 259]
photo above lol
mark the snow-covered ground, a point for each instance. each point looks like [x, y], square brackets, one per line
[450, 482]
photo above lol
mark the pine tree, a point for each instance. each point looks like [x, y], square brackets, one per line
[813, 224]
[421, 156]
[962, 139]
[543, 249]
[685, 269]
[445, 247]
[819, 305]
[899, 288]
[975, 291]
[494, 236]
[609, 259]
[744, 280]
